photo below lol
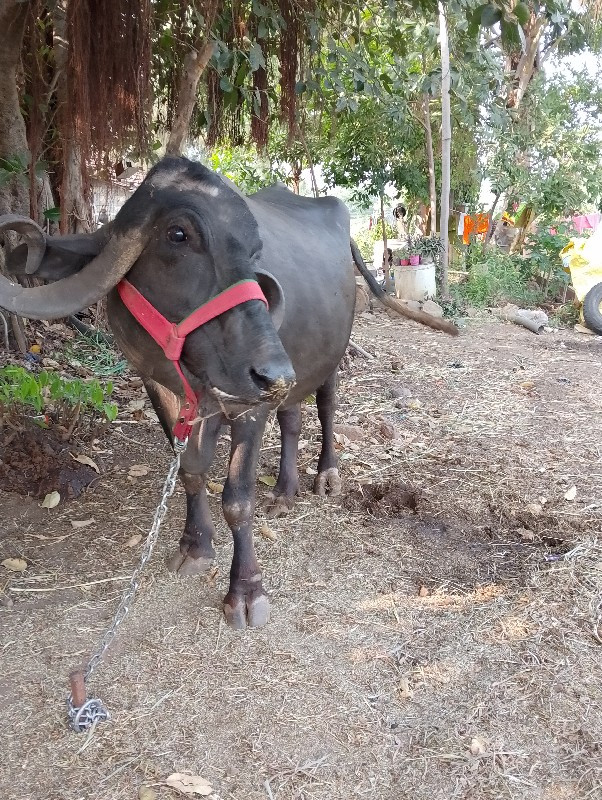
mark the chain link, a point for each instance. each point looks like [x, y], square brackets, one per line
[93, 711]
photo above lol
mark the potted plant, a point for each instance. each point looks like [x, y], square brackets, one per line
[414, 251]
[403, 255]
[430, 249]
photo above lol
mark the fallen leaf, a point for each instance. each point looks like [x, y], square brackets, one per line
[81, 523]
[311, 471]
[352, 433]
[268, 533]
[134, 540]
[216, 488]
[527, 385]
[51, 500]
[35, 348]
[404, 689]
[477, 746]
[147, 793]
[423, 592]
[571, 494]
[138, 470]
[15, 564]
[189, 784]
[534, 508]
[135, 405]
[414, 404]
[85, 460]
[267, 479]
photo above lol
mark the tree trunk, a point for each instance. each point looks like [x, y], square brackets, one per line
[388, 282]
[445, 148]
[194, 65]
[296, 175]
[431, 163]
[14, 195]
[76, 211]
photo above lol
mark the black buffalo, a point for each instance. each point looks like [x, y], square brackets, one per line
[185, 235]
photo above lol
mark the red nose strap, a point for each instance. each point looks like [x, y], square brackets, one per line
[171, 337]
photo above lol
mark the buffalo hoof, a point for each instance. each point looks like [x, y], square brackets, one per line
[247, 611]
[186, 566]
[278, 504]
[328, 483]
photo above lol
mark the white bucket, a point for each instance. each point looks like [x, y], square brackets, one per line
[415, 283]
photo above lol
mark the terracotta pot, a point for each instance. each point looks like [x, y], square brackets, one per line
[403, 262]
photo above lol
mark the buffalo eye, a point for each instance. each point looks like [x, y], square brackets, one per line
[176, 234]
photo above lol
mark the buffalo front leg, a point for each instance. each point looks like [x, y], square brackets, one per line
[282, 496]
[327, 481]
[246, 603]
[195, 553]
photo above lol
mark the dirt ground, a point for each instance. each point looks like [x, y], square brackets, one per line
[433, 629]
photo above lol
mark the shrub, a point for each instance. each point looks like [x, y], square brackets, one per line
[495, 278]
[73, 404]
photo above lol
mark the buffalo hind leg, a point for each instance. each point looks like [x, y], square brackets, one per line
[246, 603]
[195, 553]
[327, 481]
[282, 496]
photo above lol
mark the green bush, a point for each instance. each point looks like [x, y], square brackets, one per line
[72, 404]
[496, 278]
[365, 239]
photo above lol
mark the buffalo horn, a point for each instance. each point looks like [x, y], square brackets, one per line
[34, 236]
[78, 291]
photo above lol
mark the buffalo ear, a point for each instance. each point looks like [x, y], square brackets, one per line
[273, 294]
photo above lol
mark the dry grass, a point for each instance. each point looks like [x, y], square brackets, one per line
[442, 653]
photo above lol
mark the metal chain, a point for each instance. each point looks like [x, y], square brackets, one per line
[93, 711]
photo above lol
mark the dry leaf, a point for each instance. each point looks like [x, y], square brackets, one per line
[138, 470]
[134, 540]
[267, 479]
[189, 784]
[477, 746]
[414, 405]
[217, 488]
[81, 523]
[268, 533]
[404, 689]
[534, 508]
[147, 793]
[423, 592]
[571, 494]
[15, 564]
[51, 500]
[135, 405]
[85, 460]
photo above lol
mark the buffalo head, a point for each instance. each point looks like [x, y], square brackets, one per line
[184, 236]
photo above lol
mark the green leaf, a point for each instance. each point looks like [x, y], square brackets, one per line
[522, 13]
[225, 84]
[490, 16]
[256, 59]
[52, 214]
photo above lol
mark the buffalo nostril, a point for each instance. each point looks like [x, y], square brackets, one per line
[262, 382]
[276, 384]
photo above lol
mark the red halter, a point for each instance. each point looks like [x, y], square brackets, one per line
[171, 337]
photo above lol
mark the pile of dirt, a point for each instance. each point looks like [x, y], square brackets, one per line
[386, 499]
[34, 461]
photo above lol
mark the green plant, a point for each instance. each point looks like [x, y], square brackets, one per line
[495, 278]
[73, 404]
[430, 247]
[94, 353]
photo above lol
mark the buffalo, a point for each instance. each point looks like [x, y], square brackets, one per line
[283, 266]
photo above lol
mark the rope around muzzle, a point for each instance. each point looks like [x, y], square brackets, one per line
[85, 714]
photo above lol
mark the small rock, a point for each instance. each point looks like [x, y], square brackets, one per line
[388, 431]
[400, 391]
[432, 308]
[423, 592]
[353, 432]
[6, 601]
